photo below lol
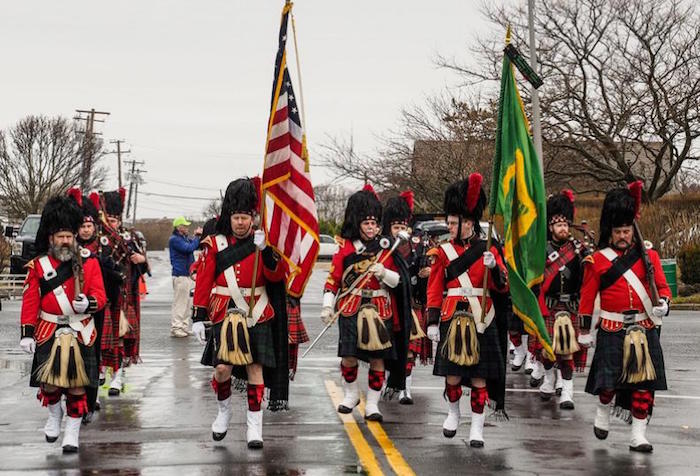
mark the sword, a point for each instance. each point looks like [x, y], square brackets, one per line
[361, 279]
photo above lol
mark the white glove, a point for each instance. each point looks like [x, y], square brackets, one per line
[489, 260]
[378, 270]
[434, 333]
[326, 315]
[28, 344]
[259, 239]
[661, 310]
[199, 332]
[81, 303]
[586, 340]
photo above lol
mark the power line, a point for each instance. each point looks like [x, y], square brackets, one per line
[209, 199]
[179, 185]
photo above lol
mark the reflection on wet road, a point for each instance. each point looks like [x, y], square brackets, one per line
[161, 424]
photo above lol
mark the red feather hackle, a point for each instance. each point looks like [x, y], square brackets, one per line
[75, 194]
[122, 194]
[473, 190]
[257, 183]
[95, 199]
[369, 188]
[408, 196]
[635, 189]
[568, 193]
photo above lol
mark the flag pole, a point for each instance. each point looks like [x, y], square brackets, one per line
[536, 123]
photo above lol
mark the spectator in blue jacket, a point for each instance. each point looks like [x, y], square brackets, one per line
[181, 258]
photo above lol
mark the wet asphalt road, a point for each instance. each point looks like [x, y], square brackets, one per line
[161, 424]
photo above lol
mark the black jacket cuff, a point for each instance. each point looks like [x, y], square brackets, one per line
[499, 278]
[585, 322]
[92, 307]
[270, 258]
[433, 316]
[199, 314]
[27, 331]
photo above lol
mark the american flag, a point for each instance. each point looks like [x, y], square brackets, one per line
[289, 210]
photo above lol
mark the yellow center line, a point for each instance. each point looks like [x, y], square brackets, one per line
[396, 461]
[362, 448]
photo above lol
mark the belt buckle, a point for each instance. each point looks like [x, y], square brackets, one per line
[63, 320]
[629, 319]
[553, 256]
[565, 298]
[367, 293]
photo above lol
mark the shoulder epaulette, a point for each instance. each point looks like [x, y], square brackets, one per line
[588, 259]
[30, 263]
[340, 240]
[207, 242]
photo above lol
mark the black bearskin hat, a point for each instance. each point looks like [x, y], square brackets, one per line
[362, 205]
[560, 207]
[60, 213]
[466, 198]
[620, 208]
[242, 196]
[397, 210]
[87, 204]
[114, 202]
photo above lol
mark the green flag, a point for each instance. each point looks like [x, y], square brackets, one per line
[517, 195]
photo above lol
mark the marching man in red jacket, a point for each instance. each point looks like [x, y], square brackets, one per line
[63, 288]
[469, 352]
[359, 288]
[248, 343]
[628, 363]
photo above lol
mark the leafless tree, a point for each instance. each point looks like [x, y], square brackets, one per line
[622, 85]
[41, 157]
[433, 146]
[330, 202]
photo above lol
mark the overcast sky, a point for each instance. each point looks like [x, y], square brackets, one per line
[188, 83]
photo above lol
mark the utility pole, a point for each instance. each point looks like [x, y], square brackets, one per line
[136, 192]
[131, 176]
[119, 153]
[536, 124]
[89, 142]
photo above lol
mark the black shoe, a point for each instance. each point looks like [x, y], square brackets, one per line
[528, 371]
[546, 396]
[536, 382]
[113, 392]
[50, 439]
[406, 401]
[218, 436]
[375, 417]
[87, 418]
[515, 368]
[346, 410]
[644, 448]
[566, 405]
[70, 449]
[98, 406]
[600, 433]
[558, 392]
[101, 382]
[255, 444]
[476, 444]
[449, 433]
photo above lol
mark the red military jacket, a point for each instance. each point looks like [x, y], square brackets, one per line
[211, 296]
[349, 262]
[438, 284]
[620, 296]
[33, 302]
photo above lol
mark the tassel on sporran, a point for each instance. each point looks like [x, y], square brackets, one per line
[65, 367]
[462, 345]
[124, 326]
[637, 365]
[416, 329]
[564, 336]
[372, 334]
[234, 345]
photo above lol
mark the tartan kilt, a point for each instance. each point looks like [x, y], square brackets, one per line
[490, 364]
[262, 345]
[347, 341]
[112, 351]
[43, 353]
[423, 347]
[606, 367]
[297, 330]
[132, 339]
[581, 356]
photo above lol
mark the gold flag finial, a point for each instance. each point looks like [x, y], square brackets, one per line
[508, 34]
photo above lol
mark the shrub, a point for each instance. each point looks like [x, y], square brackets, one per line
[689, 262]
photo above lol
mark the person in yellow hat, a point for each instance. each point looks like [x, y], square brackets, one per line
[182, 247]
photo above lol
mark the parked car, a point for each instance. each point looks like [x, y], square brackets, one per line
[438, 229]
[23, 246]
[328, 247]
